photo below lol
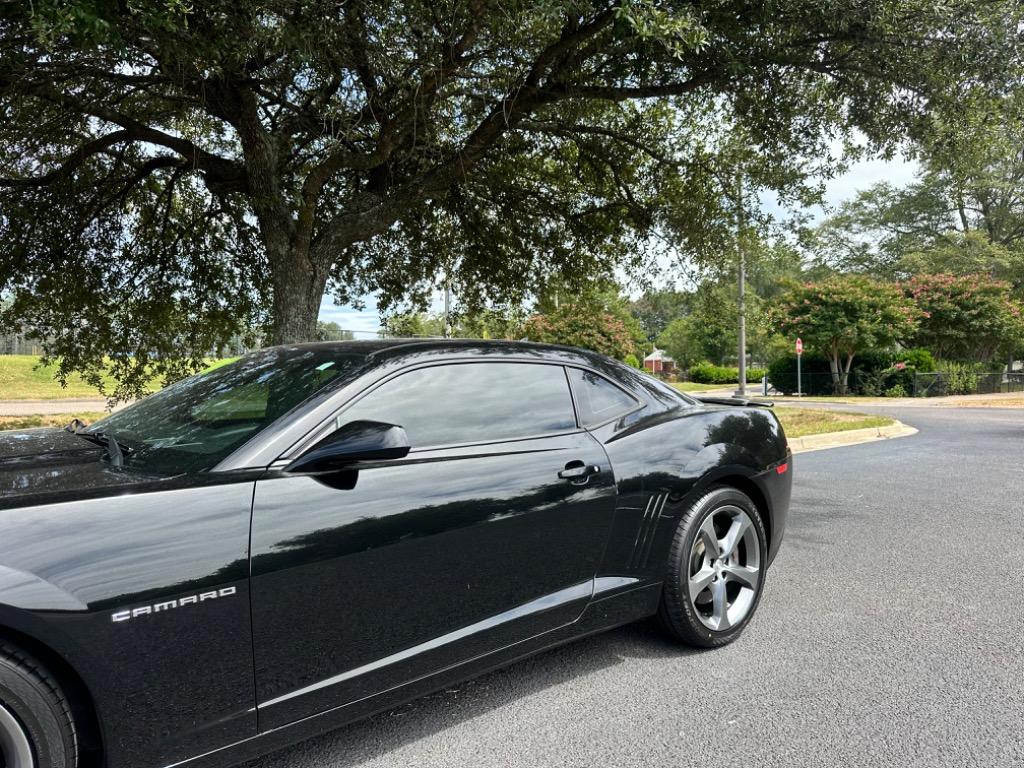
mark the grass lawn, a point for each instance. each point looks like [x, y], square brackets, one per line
[21, 379]
[56, 420]
[800, 422]
[692, 386]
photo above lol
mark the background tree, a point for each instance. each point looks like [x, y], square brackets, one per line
[331, 331]
[969, 318]
[709, 331]
[582, 325]
[843, 316]
[963, 214]
[218, 164]
[656, 309]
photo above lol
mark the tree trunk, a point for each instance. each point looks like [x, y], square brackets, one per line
[299, 288]
[846, 373]
[833, 364]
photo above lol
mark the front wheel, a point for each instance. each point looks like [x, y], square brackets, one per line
[715, 571]
[36, 726]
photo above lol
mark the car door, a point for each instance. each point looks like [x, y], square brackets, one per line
[488, 532]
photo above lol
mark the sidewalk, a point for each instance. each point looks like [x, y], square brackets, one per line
[995, 400]
[51, 407]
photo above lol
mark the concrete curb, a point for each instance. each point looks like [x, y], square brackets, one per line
[849, 437]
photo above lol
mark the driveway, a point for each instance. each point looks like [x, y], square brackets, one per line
[891, 633]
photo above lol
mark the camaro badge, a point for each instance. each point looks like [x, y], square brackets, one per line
[170, 605]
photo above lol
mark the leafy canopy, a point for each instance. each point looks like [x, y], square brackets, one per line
[174, 171]
[843, 316]
[966, 317]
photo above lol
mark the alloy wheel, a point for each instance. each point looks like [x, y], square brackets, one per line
[724, 573]
[15, 749]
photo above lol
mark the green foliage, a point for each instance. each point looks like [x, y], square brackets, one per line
[708, 373]
[817, 378]
[330, 331]
[656, 310]
[967, 317]
[843, 316]
[896, 390]
[581, 326]
[490, 323]
[963, 214]
[959, 378]
[708, 332]
[920, 360]
[634, 361]
[215, 166]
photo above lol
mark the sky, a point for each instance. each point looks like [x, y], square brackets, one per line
[897, 172]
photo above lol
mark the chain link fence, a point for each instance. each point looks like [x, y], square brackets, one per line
[944, 383]
[938, 384]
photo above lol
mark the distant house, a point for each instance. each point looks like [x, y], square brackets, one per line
[659, 362]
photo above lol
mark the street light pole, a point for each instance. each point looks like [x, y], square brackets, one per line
[741, 390]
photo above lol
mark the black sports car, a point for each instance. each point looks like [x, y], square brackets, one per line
[318, 532]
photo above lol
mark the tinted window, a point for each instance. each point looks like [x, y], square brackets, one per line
[194, 424]
[471, 403]
[597, 399]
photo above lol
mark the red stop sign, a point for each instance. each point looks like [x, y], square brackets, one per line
[799, 346]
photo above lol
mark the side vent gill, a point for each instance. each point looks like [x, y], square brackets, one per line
[645, 535]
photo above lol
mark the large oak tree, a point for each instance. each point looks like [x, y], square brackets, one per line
[173, 170]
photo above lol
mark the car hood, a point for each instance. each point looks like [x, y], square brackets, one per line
[40, 462]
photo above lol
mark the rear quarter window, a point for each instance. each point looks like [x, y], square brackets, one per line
[598, 401]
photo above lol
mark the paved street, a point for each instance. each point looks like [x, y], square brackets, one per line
[891, 634]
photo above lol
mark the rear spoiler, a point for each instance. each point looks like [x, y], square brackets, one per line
[738, 401]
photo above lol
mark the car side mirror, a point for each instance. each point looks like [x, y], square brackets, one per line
[354, 442]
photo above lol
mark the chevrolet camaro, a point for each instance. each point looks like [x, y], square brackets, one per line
[319, 532]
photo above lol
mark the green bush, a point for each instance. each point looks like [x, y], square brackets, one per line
[708, 373]
[960, 378]
[817, 376]
[632, 360]
[896, 390]
[920, 359]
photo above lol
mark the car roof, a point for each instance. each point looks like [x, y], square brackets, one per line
[392, 348]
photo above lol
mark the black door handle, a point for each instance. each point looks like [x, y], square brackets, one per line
[578, 470]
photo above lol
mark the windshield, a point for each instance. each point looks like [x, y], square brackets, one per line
[194, 424]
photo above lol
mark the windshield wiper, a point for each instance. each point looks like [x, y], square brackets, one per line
[116, 450]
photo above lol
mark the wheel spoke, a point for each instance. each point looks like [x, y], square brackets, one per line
[710, 538]
[739, 527]
[719, 606]
[745, 575]
[700, 581]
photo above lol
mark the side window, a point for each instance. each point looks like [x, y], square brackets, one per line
[471, 403]
[597, 399]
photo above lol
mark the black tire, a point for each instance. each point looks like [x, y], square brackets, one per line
[687, 620]
[32, 698]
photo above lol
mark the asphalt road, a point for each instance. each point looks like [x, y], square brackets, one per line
[891, 633]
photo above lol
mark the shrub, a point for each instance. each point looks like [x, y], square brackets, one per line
[817, 377]
[708, 373]
[920, 359]
[960, 378]
[632, 361]
[896, 390]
